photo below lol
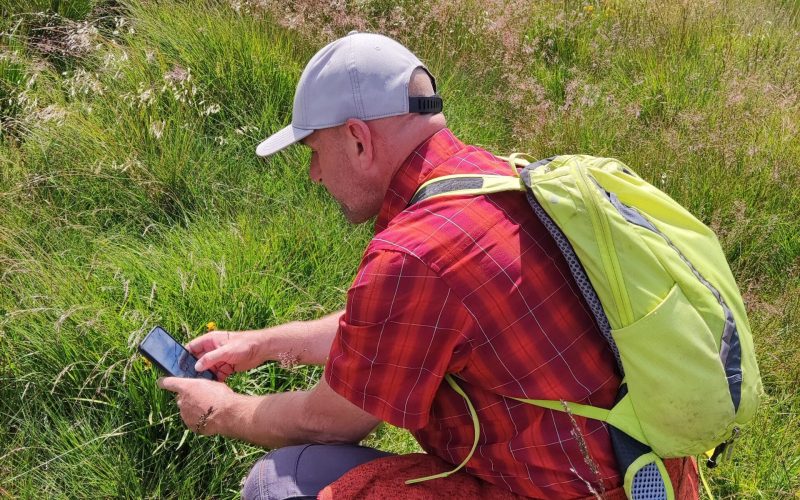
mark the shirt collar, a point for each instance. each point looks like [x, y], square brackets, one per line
[415, 170]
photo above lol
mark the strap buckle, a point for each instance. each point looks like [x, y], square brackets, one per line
[432, 104]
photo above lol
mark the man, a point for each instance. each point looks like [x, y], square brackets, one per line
[472, 286]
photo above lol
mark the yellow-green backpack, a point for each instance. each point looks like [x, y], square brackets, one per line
[661, 291]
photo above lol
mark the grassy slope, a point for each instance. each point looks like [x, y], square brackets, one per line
[131, 196]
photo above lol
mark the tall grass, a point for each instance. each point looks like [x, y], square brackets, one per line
[131, 196]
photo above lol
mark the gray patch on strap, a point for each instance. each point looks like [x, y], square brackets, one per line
[445, 186]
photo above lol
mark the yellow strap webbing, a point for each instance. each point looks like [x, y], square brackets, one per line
[515, 160]
[574, 408]
[474, 416]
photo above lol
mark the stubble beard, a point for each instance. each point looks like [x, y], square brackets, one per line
[352, 216]
[360, 213]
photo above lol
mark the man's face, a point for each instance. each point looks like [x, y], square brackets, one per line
[336, 165]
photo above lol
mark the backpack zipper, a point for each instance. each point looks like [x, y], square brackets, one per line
[606, 245]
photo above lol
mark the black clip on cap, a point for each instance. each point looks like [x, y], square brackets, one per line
[432, 104]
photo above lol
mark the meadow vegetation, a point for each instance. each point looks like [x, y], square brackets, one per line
[130, 195]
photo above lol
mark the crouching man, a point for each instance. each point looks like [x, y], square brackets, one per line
[441, 289]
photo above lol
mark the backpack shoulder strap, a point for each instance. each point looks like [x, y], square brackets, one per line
[466, 184]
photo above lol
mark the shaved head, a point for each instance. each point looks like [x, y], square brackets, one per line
[356, 161]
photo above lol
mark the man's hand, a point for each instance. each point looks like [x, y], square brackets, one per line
[225, 353]
[202, 402]
[319, 415]
[296, 342]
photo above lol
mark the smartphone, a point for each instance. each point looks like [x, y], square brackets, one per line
[170, 356]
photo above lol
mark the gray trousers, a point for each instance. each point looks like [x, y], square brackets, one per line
[303, 471]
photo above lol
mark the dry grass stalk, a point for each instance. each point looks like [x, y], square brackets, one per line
[594, 468]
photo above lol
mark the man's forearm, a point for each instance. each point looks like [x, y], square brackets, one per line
[301, 342]
[262, 420]
[315, 416]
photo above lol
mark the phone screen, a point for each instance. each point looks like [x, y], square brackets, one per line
[169, 355]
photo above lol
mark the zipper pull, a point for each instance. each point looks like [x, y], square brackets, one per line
[712, 460]
[725, 447]
[731, 442]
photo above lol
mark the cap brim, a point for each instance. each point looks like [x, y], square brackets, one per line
[282, 139]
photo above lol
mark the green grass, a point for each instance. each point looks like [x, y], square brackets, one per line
[130, 195]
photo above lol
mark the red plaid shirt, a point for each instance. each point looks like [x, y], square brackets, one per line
[475, 286]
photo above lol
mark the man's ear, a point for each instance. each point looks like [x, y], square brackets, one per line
[359, 141]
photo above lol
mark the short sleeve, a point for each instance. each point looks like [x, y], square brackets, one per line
[396, 339]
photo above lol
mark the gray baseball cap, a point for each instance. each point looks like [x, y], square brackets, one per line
[361, 75]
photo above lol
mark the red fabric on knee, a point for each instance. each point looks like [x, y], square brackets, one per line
[385, 478]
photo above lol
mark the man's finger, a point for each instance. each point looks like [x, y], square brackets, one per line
[224, 372]
[210, 359]
[201, 344]
[173, 384]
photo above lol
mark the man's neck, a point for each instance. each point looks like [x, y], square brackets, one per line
[419, 165]
[401, 135]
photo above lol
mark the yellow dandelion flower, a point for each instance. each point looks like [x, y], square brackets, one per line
[588, 9]
[147, 363]
[211, 326]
